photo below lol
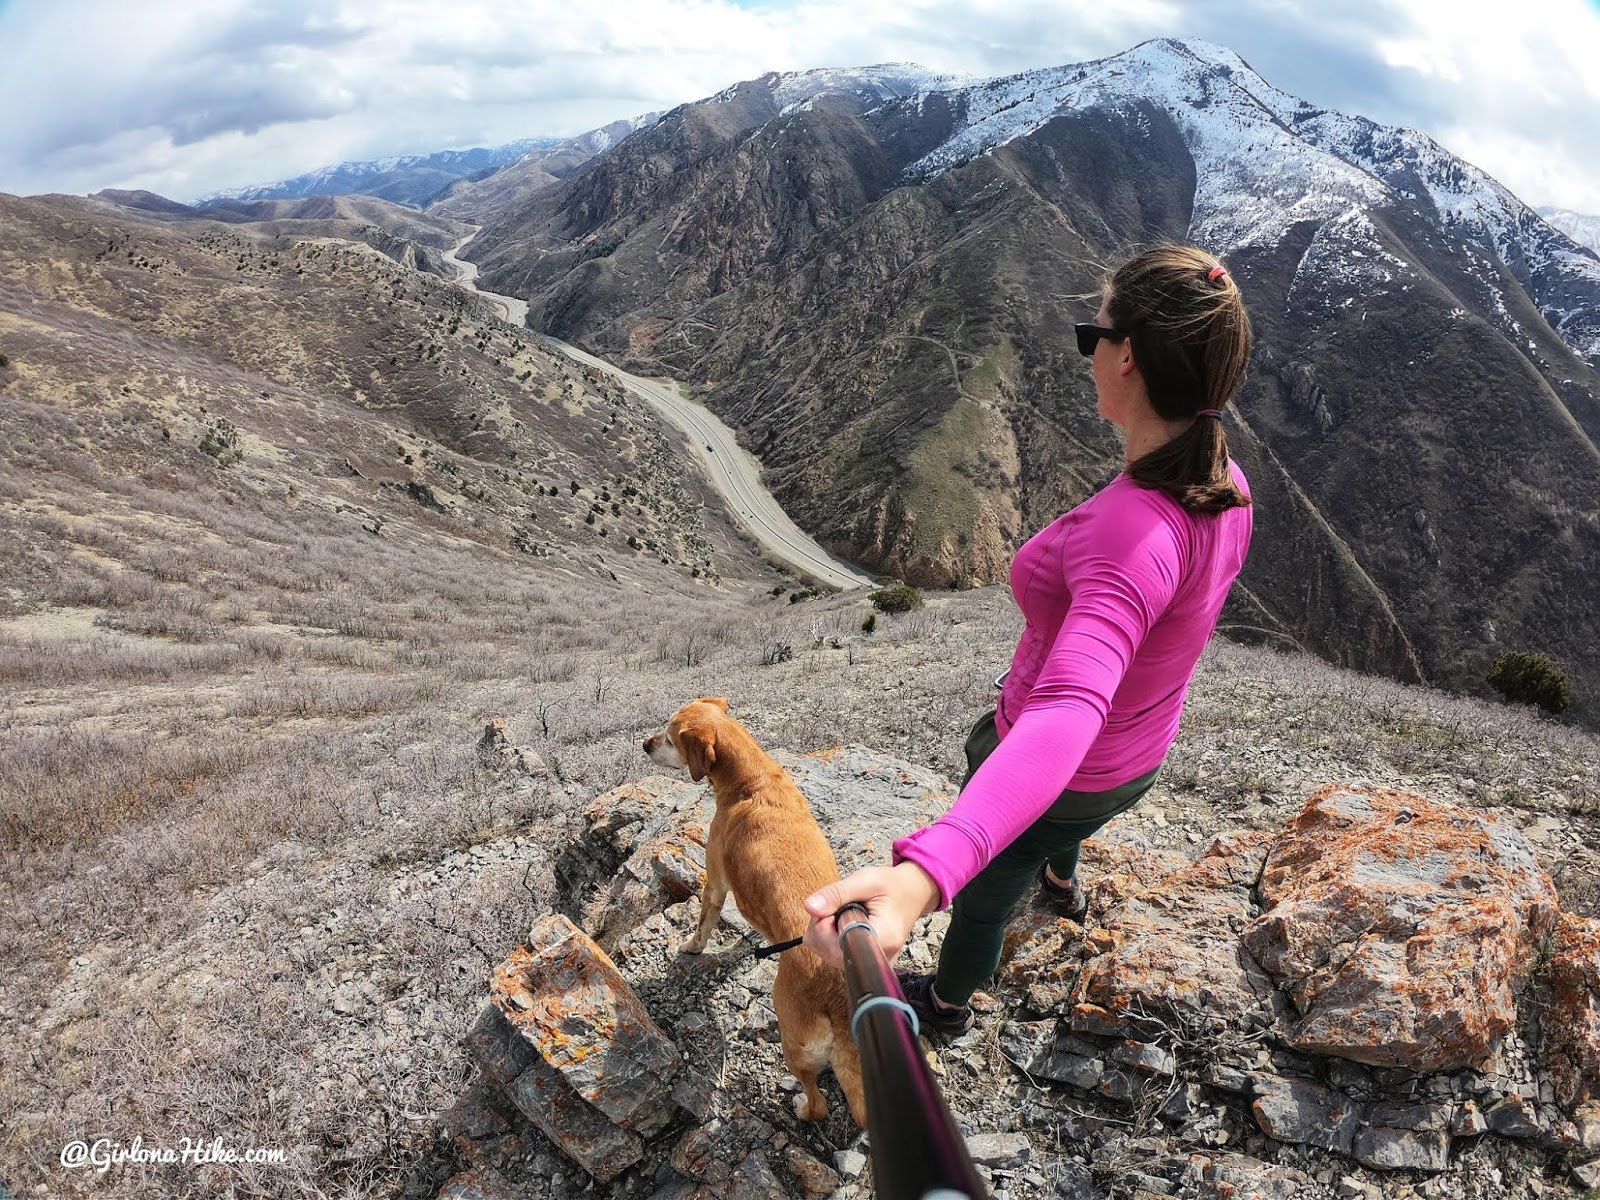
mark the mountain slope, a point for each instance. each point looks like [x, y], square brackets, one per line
[339, 393]
[878, 292]
[472, 197]
[410, 238]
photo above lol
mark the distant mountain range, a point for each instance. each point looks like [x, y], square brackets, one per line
[472, 197]
[412, 179]
[446, 177]
[1580, 227]
[872, 274]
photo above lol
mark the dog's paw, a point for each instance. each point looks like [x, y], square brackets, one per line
[806, 1111]
[692, 946]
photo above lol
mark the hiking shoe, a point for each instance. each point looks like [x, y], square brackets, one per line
[934, 1021]
[1067, 901]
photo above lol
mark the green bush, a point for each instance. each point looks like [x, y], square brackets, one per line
[1530, 679]
[901, 598]
[221, 441]
[870, 623]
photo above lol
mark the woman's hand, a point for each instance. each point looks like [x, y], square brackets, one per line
[894, 898]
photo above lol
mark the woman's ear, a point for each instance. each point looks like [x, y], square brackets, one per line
[698, 745]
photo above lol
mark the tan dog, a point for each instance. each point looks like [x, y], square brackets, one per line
[766, 847]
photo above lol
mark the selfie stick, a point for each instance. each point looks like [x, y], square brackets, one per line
[918, 1153]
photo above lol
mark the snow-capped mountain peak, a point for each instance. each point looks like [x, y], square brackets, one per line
[884, 81]
[1325, 165]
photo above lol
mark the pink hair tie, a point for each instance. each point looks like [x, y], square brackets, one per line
[1210, 412]
[1217, 273]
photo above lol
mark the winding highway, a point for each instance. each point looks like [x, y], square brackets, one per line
[514, 311]
[732, 470]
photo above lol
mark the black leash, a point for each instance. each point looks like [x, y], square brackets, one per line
[777, 948]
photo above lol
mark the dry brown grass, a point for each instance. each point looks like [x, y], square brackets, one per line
[201, 839]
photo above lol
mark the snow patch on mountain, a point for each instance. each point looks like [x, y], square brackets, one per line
[1347, 250]
[598, 141]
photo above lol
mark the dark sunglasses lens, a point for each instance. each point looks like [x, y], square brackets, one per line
[1088, 335]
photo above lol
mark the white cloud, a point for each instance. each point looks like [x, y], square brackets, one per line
[1516, 97]
[186, 97]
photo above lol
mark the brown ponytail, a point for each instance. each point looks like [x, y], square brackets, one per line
[1190, 336]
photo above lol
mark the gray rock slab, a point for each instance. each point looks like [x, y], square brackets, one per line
[1388, 1149]
[538, 1090]
[1306, 1114]
[1000, 1151]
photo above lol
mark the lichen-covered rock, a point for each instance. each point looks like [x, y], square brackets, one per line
[1043, 952]
[574, 1049]
[1167, 955]
[815, 1177]
[644, 848]
[569, 1000]
[1041, 958]
[1402, 929]
[580, 1130]
[1571, 1041]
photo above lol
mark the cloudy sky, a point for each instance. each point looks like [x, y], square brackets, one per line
[188, 96]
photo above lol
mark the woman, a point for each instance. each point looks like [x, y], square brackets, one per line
[1119, 596]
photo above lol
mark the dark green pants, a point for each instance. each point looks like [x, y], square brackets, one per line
[982, 909]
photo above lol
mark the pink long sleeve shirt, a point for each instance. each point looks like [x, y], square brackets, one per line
[1119, 597]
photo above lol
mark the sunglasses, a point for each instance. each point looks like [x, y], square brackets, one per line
[1089, 336]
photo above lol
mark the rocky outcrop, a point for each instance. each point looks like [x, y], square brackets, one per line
[1402, 930]
[1168, 957]
[497, 751]
[1180, 1009]
[575, 1051]
[1572, 1016]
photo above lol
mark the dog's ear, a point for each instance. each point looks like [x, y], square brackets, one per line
[698, 745]
[715, 702]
